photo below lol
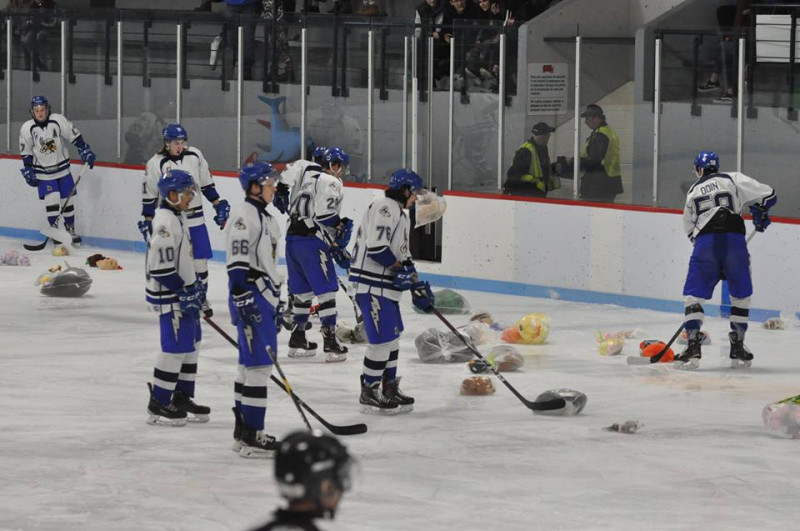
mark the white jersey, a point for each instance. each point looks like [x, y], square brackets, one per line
[252, 245]
[294, 172]
[732, 191]
[384, 226]
[169, 251]
[191, 161]
[47, 144]
[315, 205]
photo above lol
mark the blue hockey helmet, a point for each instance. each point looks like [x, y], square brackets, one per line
[305, 460]
[405, 177]
[707, 160]
[39, 101]
[174, 132]
[336, 155]
[319, 154]
[258, 172]
[174, 181]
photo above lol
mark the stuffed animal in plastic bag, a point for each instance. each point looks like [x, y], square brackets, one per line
[530, 330]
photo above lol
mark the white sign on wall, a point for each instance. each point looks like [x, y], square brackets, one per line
[547, 88]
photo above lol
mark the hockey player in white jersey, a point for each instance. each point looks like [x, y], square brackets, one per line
[712, 219]
[175, 292]
[45, 158]
[255, 283]
[317, 237]
[176, 154]
[382, 269]
[292, 174]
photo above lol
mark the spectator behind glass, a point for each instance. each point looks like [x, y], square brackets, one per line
[731, 20]
[455, 22]
[482, 58]
[531, 174]
[34, 33]
[428, 18]
[248, 10]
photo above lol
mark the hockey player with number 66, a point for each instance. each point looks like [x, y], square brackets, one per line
[382, 269]
[712, 219]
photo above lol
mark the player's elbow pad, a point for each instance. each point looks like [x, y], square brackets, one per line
[210, 192]
[332, 221]
[27, 160]
[149, 209]
[80, 143]
[384, 257]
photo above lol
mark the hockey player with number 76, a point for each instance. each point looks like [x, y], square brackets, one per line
[712, 219]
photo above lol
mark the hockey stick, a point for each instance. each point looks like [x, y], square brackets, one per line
[359, 317]
[350, 429]
[287, 387]
[40, 246]
[640, 360]
[556, 403]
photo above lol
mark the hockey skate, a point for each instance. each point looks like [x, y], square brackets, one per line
[330, 345]
[194, 412]
[256, 444]
[161, 415]
[741, 357]
[299, 345]
[76, 240]
[373, 401]
[237, 431]
[391, 390]
[689, 359]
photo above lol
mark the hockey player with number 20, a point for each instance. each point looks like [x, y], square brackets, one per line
[712, 219]
[177, 155]
[382, 269]
[175, 292]
[45, 160]
[254, 281]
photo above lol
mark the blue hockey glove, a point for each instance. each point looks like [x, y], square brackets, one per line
[87, 155]
[422, 296]
[189, 299]
[281, 199]
[146, 228]
[405, 276]
[223, 210]
[247, 308]
[30, 175]
[760, 217]
[341, 257]
[343, 232]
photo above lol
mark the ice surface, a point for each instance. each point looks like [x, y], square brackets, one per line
[75, 452]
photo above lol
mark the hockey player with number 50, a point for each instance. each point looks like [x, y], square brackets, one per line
[382, 269]
[175, 292]
[255, 285]
[712, 219]
[176, 155]
[45, 160]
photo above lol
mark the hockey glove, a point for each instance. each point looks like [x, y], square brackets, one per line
[281, 199]
[279, 309]
[760, 218]
[405, 276]
[223, 210]
[30, 175]
[343, 232]
[422, 296]
[247, 309]
[146, 228]
[87, 155]
[189, 299]
[341, 257]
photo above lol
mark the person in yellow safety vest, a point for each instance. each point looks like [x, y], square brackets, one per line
[531, 173]
[602, 179]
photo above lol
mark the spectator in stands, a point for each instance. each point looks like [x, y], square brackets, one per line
[531, 173]
[456, 24]
[428, 18]
[35, 31]
[731, 20]
[521, 11]
[482, 57]
[602, 178]
[248, 10]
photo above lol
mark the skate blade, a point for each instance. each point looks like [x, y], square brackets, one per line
[334, 358]
[406, 409]
[741, 364]
[236, 446]
[372, 410]
[300, 353]
[155, 420]
[198, 419]
[687, 365]
[248, 452]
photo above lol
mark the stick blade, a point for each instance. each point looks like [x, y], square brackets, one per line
[639, 360]
[352, 429]
[35, 246]
[547, 405]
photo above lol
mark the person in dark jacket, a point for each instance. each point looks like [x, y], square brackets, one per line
[602, 178]
[531, 174]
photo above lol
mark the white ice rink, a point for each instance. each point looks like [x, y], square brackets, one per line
[75, 452]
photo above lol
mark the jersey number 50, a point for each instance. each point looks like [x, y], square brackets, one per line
[707, 202]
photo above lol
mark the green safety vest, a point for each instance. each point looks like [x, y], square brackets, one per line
[535, 174]
[611, 160]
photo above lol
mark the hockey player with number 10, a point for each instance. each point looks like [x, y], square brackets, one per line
[382, 269]
[712, 219]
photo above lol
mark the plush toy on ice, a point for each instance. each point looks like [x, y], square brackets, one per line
[530, 330]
